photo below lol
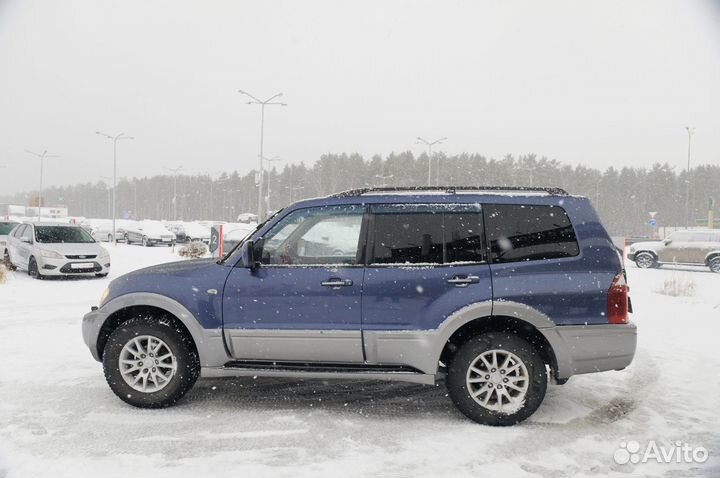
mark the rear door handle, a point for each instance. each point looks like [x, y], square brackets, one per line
[463, 281]
[335, 282]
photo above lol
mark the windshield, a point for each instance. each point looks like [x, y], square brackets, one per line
[61, 234]
[6, 227]
[257, 228]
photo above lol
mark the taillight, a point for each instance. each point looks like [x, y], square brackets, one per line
[618, 301]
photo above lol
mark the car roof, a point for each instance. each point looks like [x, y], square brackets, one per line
[54, 224]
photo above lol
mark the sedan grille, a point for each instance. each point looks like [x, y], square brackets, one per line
[89, 256]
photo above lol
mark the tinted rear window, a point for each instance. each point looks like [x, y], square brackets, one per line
[58, 234]
[529, 233]
[6, 227]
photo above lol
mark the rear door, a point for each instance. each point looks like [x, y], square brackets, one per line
[425, 262]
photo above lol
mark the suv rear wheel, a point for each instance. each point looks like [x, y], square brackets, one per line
[645, 260]
[497, 379]
[714, 264]
[149, 362]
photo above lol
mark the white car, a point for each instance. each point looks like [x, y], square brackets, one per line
[148, 233]
[189, 231]
[6, 228]
[55, 249]
[102, 230]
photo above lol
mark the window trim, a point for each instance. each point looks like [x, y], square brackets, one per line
[362, 240]
[491, 259]
[370, 246]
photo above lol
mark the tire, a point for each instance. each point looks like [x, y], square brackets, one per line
[525, 369]
[8, 263]
[33, 270]
[182, 369]
[645, 260]
[714, 264]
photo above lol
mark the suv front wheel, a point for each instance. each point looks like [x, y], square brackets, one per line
[497, 379]
[149, 362]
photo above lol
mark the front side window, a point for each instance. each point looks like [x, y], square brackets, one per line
[327, 235]
[423, 234]
[529, 233]
[62, 234]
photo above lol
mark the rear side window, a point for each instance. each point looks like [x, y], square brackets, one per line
[422, 234]
[529, 233]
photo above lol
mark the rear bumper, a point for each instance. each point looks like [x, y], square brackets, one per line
[592, 348]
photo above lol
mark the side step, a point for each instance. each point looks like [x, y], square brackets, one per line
[301, 370]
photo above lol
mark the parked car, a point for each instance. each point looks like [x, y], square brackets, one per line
[148, 233]
[5, 228]
[692, 247]
[103, 231]
[499, 290]
[55, 249]
[189, 232]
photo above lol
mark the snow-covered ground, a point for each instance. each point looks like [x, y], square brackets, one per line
[59, 418]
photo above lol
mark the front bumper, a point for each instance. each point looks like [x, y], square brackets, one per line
[65, 267]
[91, 324]
[592, 348]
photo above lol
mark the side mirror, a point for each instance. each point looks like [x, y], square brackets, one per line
[248, 255]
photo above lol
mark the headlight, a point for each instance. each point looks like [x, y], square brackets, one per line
[104, 296]
[51, 254]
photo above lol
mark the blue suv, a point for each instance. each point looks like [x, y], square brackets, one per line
[496, 290]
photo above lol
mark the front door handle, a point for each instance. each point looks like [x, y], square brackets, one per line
[463, 281]
[335, 282]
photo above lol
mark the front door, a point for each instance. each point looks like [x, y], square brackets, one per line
[678, 249]
[303, 302]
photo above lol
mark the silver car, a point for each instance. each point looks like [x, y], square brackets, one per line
[692, 247]
[52, 249]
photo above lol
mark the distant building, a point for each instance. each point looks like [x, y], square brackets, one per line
[50, 212]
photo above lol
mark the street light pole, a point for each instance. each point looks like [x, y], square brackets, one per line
[690, 132]
[256, 101]
[174, 171]
[429, 145]
[274, 159]
[114, 139]
[42, 157]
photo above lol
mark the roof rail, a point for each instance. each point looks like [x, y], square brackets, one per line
[450, 190]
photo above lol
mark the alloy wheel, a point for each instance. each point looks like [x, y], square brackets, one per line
[147, 364]
[498, 380]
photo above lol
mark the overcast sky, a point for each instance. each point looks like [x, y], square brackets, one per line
[601, 83]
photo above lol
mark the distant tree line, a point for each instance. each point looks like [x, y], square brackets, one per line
[624, 197]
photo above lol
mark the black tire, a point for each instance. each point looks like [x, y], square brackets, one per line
[714, 264]
[8, 263]
[33, 270]
[459, 371]
[645, 260]
[167, 329]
